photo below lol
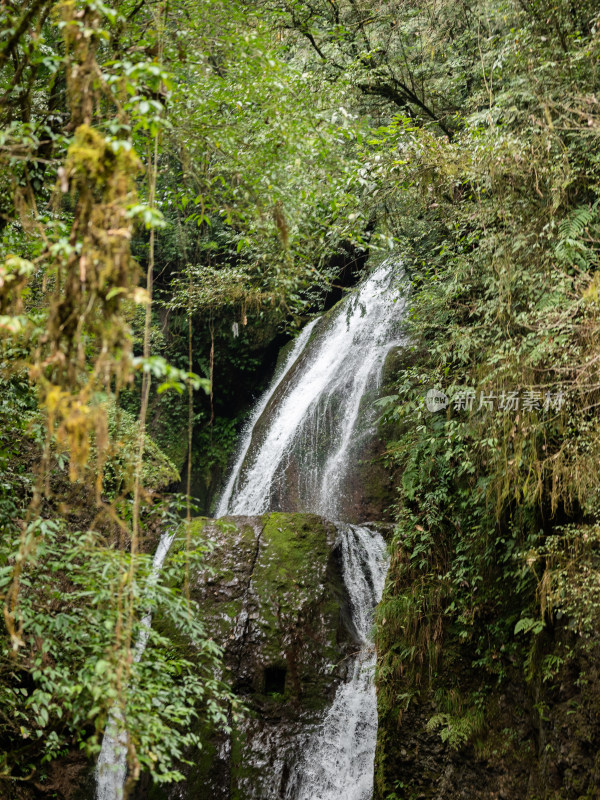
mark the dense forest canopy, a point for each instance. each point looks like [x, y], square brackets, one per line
[182, 184]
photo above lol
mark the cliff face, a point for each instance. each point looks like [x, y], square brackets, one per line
[534, 742]
[273, 597]
[469, 730]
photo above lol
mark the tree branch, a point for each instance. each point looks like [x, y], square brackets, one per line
[404, 98]
[20, 30]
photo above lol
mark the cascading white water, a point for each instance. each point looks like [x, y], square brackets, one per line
[338, 760]
[298, 347]
[317, 419]
[297, 458]
[111, 768]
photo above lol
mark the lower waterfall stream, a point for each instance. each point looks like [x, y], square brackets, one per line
[337, 761]
[296, 455]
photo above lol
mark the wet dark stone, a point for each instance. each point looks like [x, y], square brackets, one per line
[273, 596]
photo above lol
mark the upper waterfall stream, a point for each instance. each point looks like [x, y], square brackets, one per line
[295, 454]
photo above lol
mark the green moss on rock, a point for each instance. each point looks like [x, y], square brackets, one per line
[272, 595]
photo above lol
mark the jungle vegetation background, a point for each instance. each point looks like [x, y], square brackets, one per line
[182, 183]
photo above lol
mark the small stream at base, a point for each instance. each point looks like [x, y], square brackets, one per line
[111, 767]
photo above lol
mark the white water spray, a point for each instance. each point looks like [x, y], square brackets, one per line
[317, 420]
[111, 768]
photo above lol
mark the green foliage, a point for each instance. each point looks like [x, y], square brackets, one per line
[76, 111]
[457, 730]
[465, 133]
[498, 227]
[58, 689]
[158, 471]
[171, 377]
[17, 414]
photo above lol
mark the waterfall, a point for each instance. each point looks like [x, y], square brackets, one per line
[295, 456]
[298, 459]
[111, 768]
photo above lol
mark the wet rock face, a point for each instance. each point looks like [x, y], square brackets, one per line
[539, 741]
[273, 596]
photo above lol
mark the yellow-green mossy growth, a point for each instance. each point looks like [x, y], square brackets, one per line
[101, 172]
[93, 278]
[108, 164]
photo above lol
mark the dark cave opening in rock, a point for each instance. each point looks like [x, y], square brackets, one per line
[274, 676]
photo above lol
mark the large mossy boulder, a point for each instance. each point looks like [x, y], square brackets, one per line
[273, 596]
